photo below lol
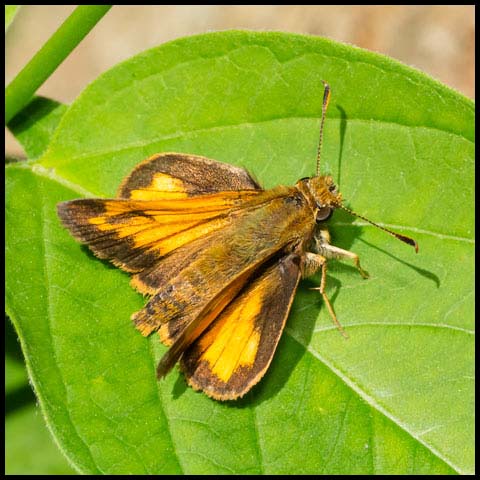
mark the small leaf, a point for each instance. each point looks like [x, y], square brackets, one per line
[396, 398]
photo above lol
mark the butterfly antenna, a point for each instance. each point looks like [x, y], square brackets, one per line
[403, 238]
[326, 99]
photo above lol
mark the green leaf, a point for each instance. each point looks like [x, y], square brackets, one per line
[15, 374]
[31, 450]
[35, 124]
[396, 398]
[10, 12]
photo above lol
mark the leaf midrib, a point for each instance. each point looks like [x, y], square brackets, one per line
[52, 175]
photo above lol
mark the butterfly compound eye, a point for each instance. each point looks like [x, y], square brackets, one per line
[323, 214]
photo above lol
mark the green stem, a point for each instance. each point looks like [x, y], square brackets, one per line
[22, 88]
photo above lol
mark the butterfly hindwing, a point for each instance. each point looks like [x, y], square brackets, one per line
[177, 175]
[238, 346]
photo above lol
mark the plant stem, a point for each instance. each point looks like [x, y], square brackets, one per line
[22, 88]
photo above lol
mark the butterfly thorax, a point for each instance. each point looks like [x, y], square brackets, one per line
[321, 194]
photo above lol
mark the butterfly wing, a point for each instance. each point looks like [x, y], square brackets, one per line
[165, 202]
[197, 272]
[185, 244]
[234, 352]
[136, 234]
[178, 175]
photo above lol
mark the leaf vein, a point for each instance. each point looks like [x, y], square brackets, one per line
[374, 404]
[396, 324]
[214, 128]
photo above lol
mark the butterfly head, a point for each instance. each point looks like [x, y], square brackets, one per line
[324, 196]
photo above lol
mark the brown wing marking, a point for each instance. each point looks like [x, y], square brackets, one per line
[233, 354]
[178, 175]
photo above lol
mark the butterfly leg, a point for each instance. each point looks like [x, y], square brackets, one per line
[314, 261]
[322, 246]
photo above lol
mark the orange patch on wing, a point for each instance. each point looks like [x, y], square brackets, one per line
[189, 205]
[161, 234]
[181, 332]
[233, 341]
[163, 186]
[183, 237]
[162, 226]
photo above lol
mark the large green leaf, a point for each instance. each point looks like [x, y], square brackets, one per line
[397, 397]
